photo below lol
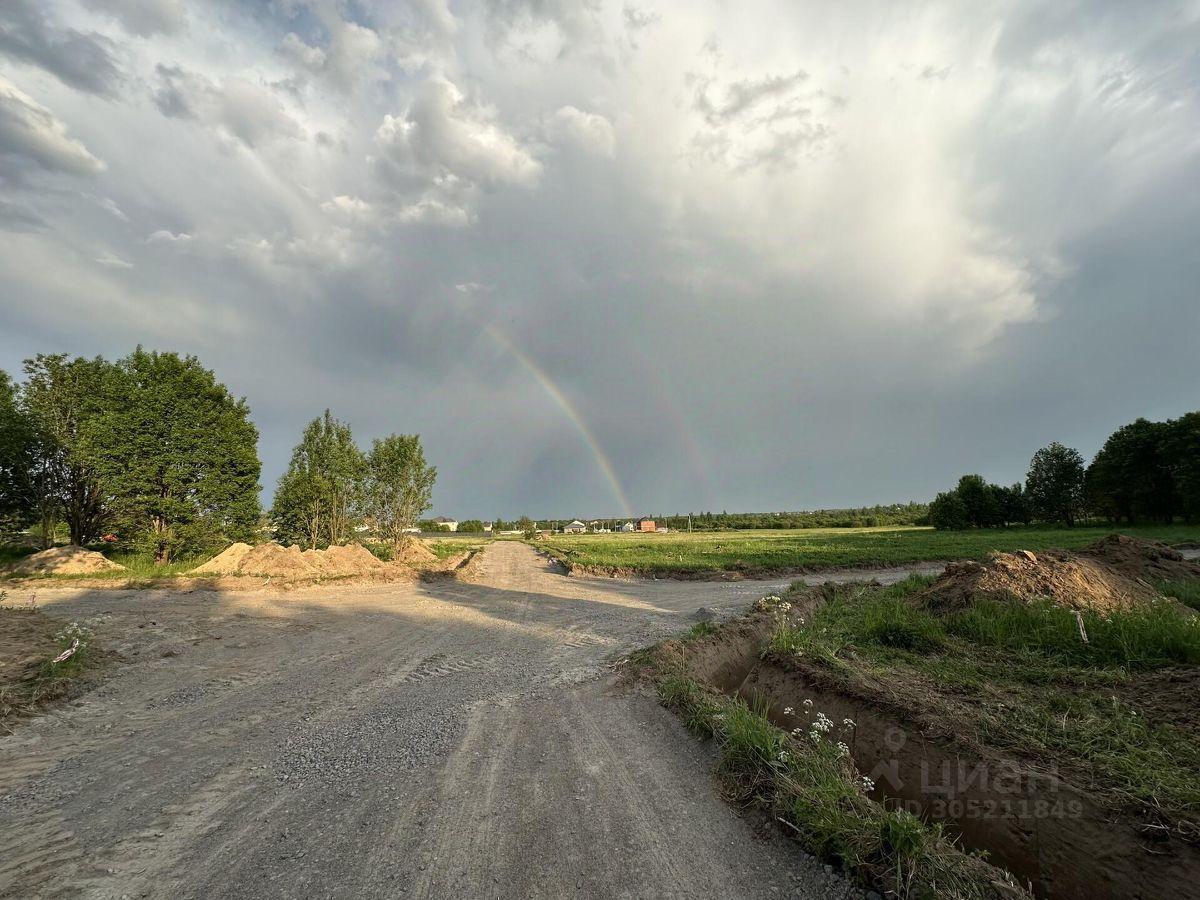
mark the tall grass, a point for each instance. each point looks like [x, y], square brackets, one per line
[1185, 591]
[1146, 637]
[1031, 683]
[814, 788]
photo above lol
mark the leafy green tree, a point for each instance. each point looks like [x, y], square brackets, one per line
[61, 397]
[1055, 483]
[1182, 452]
[177, 452]
[399, 484]
[319, 494]
[527, 526]
[1132, 477]
[1012, 504]
[18, 447]
[471, 526]
[979, 500]
[947, 512]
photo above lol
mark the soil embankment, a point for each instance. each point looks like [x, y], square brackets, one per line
[1051, 821]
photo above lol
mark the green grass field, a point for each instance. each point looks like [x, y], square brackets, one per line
[453, 544]
[820, 548]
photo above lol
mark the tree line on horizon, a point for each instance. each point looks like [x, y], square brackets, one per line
[1146, 471]
[151, 453]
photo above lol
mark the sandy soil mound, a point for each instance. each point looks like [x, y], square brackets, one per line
[228, 561]
[291, 562]
[1071, 580]
[1136, 558]
[413, 552]
[69, 560]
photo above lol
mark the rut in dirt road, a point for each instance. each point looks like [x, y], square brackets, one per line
[429, 740]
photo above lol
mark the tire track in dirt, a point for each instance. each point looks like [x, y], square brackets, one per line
[437, 739]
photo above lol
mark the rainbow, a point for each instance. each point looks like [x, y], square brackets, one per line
[571, 412]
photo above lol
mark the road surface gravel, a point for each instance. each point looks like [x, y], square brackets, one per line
[441, 739]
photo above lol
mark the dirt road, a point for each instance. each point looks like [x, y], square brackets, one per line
[446, 739]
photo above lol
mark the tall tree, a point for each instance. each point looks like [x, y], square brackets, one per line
[1131, 477]
[177, 452]
[1182, 453]
[61, 397]
[947, 512]
[1055, 483]
[318, 495]
[17, 449]
[979, 500]
[399, 484]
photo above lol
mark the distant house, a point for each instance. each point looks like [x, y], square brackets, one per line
[444, 524]
[575, 527]
[487, 526]
[599, 528]
[627, 527]
[646, 524]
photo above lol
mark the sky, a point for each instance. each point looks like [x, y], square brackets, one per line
[611, 259]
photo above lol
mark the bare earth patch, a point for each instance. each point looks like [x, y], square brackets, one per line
[68, 560]
[1112, 574]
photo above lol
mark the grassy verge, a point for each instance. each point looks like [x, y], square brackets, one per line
[32, 672]
[138, 567]
[444, 548]
[812, 786]
[821, 548]
[1021, 679]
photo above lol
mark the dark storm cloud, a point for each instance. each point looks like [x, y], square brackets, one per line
[82, 60]
[807, 263]
[144, 17]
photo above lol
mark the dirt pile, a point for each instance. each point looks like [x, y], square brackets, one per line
[228, 561]
[1136, 558]
[1104, 578]
[413, 552]
[351, 559]
[70, 560]
[275, 561]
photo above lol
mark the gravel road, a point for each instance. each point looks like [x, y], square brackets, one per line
[444, 739]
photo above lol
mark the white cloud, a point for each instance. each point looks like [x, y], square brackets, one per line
[110, 206]
[588, 131]
[164, 236]
[932, 206]
[434, 211]
[30, 132]
[352, 54]
[111, 261]
[445, 133]
[236, 108]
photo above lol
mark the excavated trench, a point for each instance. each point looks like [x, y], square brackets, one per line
[1053, 836]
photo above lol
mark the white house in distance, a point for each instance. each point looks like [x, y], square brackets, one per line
[575, 527]
[445, 524]
[627, 528]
